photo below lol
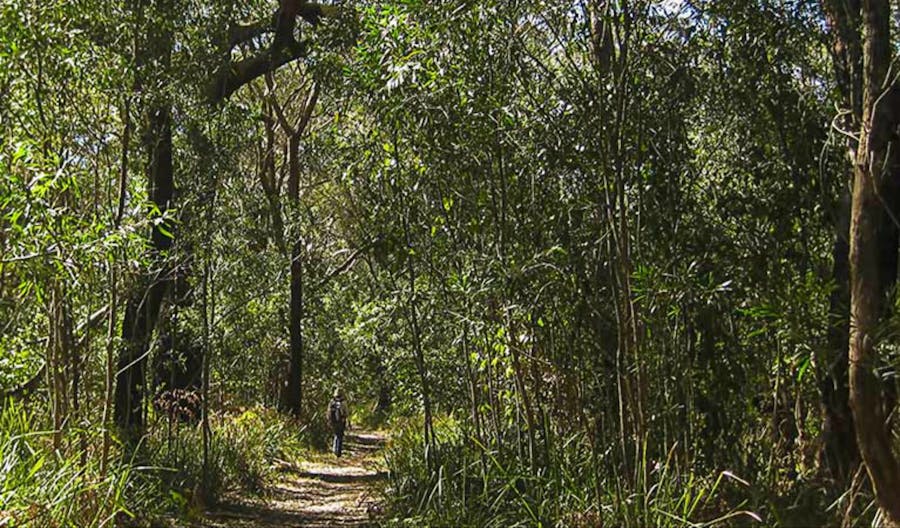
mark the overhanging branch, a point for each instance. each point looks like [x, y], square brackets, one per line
[229, 79]
[244, 71]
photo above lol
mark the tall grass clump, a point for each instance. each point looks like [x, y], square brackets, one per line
[465, 481]
[42, 488]
[246, 449]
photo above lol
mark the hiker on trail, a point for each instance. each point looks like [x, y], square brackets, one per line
[337, 419]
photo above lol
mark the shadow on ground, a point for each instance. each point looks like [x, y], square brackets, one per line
[328, 492]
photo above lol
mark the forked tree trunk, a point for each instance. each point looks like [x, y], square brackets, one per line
[292, 397]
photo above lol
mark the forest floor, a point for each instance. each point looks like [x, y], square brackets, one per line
[324, 491]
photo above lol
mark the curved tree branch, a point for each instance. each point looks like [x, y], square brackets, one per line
[232, 77]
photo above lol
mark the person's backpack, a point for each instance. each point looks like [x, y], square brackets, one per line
[336, 414]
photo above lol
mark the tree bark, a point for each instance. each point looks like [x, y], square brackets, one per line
[293, 392]
[59, 362]
[233, 76]
[840, 454]
[145, 302]
[142, 311]
[270, 182]
[873, 248]
[292, 397]
[110, 373]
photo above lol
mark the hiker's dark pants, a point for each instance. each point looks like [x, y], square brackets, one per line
[338, 445]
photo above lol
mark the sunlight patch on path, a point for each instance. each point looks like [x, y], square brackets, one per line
[324, 492]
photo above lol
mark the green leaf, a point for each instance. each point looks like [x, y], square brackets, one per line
[166, 233]
[36, 467]
[804, 366]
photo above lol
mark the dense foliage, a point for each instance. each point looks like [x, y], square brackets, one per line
[590, 262]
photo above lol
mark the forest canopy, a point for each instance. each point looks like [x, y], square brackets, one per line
[562, 263]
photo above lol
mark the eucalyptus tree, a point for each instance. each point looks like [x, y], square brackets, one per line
[255, 58]
[873, 252]
[294, 128]
[845, 49]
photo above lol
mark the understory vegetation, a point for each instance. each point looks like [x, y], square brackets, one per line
[165, 476]
[587, 263]
[466, 483]
[40, 488]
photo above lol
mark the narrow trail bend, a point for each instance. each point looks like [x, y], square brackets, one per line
[323, 492]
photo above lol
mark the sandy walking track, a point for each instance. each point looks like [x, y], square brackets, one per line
[321, 493]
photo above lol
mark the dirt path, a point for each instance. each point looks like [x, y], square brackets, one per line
[324, 492]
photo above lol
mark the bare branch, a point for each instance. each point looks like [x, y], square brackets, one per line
[308, 106]
[276, 106]
[346, 264]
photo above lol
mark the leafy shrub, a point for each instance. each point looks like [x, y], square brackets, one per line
[250, 444]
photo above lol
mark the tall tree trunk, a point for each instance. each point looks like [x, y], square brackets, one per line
[840, 454]
[110, 372]
[293, 392]
[144, 304]
[58, 361]
[292, 398]
[142, 311]
[206, 430]
[873, 248]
